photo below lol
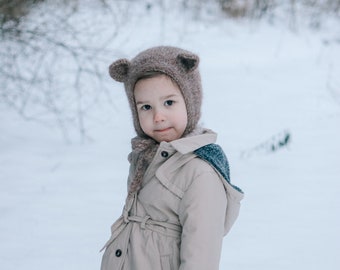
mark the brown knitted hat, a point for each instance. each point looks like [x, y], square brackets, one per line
[180, 65]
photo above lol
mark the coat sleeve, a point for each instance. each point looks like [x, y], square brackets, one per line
[202, 215]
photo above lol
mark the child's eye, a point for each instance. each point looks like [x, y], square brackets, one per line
[146, 107]
[169, 102]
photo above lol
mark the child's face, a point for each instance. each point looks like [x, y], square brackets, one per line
[161, 108]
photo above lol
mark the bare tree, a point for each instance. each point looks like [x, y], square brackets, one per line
[51, 59]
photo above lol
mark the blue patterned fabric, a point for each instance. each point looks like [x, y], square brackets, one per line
[214, 155]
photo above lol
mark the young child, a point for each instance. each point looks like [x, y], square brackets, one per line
[180, 201]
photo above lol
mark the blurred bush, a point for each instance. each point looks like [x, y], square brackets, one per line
[14, 10]
[260, 8]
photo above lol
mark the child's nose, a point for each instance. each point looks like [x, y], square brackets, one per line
[158, 117]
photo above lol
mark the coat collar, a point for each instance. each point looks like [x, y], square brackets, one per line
[191, 143]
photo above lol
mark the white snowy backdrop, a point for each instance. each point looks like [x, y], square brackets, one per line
[263, 80]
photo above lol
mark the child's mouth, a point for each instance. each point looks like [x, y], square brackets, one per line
[163, 130]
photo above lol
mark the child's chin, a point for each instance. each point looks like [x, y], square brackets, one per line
[164, 138]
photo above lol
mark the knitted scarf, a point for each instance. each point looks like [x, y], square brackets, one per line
[146, 149]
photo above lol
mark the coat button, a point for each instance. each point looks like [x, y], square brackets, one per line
[118, 253]
[164, 154]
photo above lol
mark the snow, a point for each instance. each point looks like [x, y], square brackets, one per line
[58, 200]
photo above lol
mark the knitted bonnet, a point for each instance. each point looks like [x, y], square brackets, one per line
[179, 64]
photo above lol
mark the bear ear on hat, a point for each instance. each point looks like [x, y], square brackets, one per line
[188, 62]
[119, 70]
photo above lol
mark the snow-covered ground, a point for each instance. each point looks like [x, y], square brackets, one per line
[58, 200]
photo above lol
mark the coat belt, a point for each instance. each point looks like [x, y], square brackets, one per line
[169, 229]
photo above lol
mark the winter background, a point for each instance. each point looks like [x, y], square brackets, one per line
[271, 91]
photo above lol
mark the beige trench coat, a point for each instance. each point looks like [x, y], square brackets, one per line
[179, 217]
